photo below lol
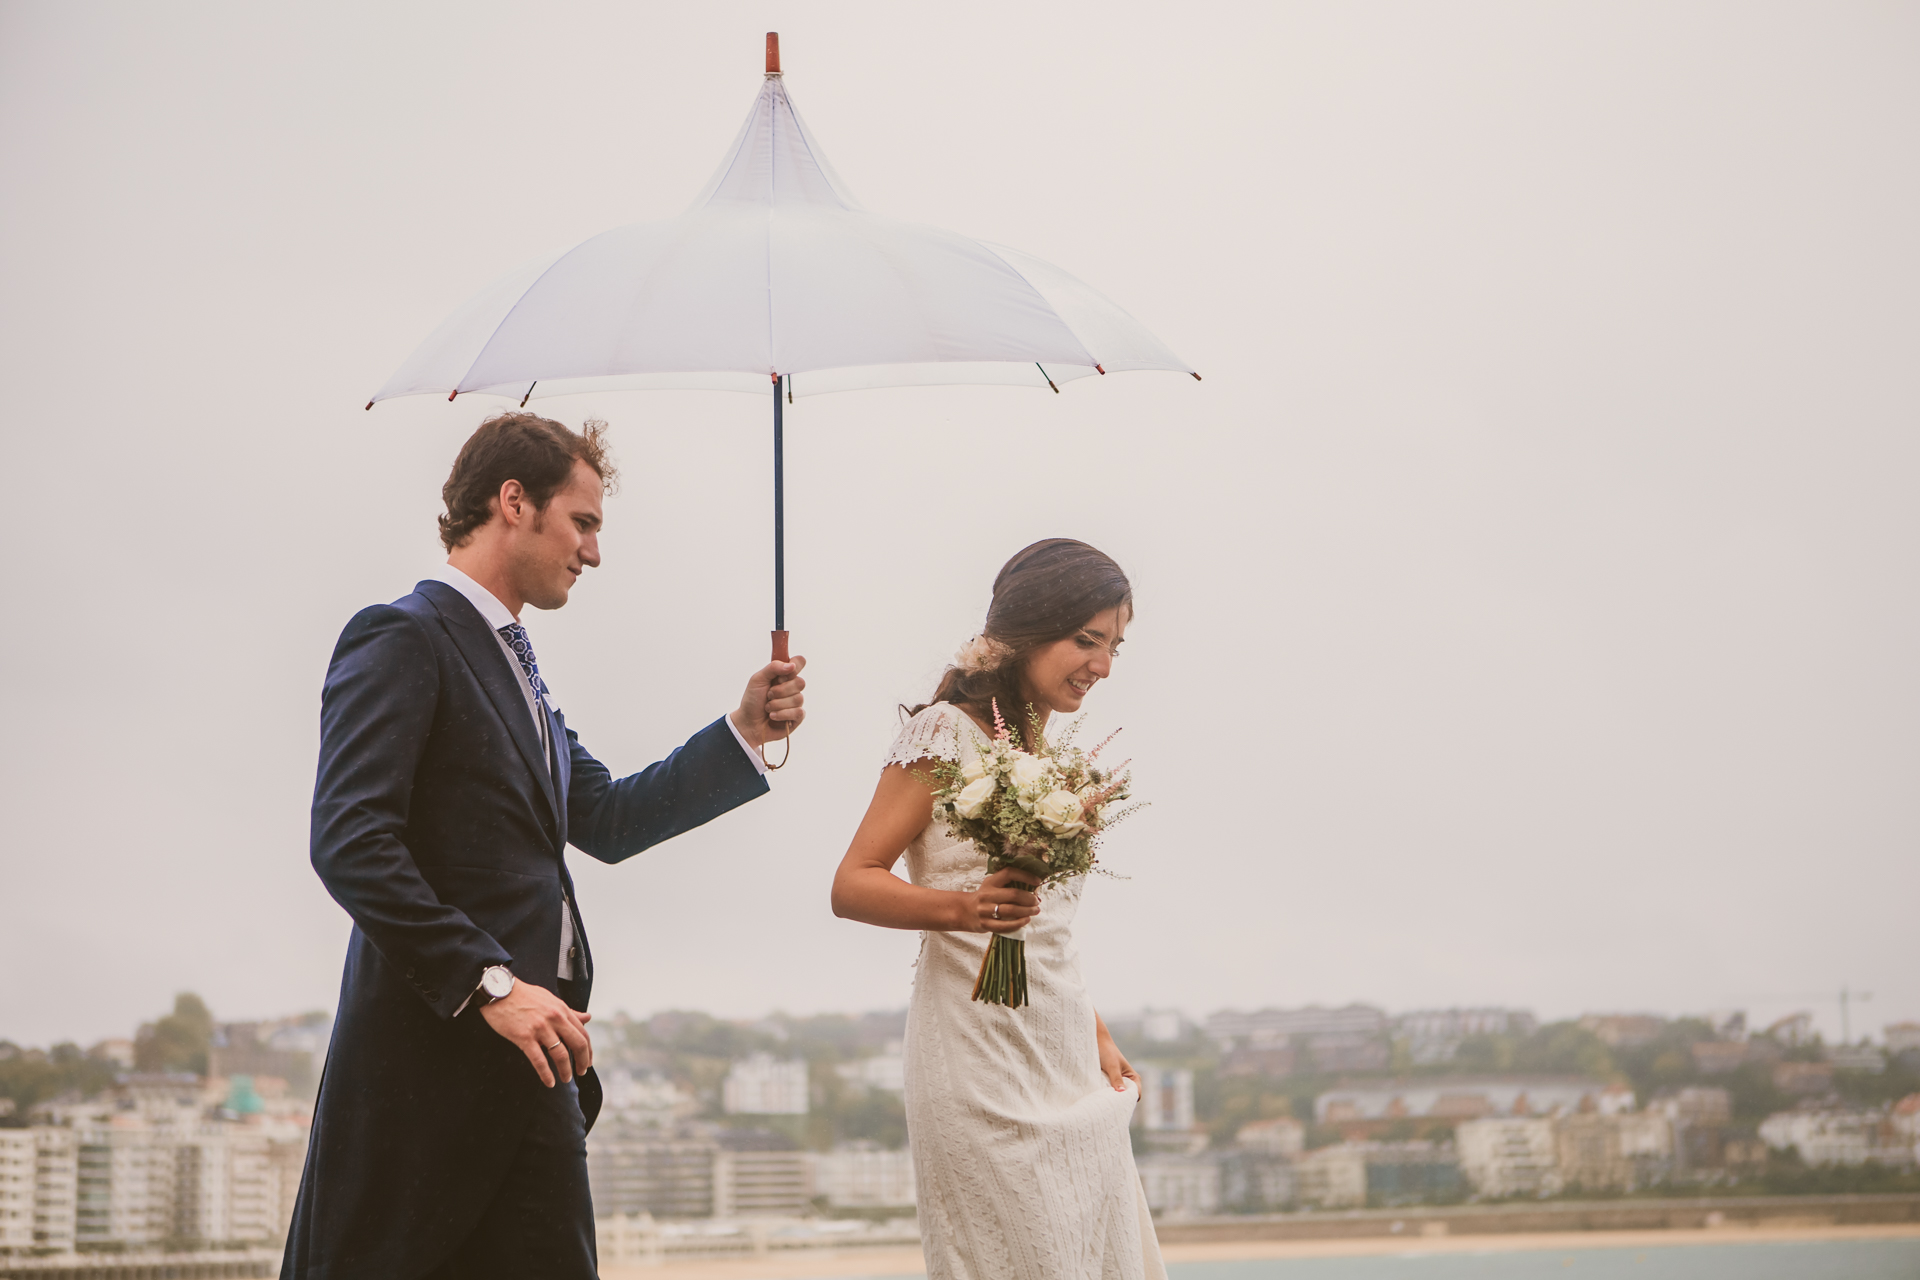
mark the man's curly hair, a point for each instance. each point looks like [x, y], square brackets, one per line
[536, 451]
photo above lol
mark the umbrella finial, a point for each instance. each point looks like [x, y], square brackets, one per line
[773, 53]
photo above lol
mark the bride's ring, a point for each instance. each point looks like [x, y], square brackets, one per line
[996, 911]
[555, 1045]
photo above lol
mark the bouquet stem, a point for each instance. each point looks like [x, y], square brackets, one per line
[1003, 973]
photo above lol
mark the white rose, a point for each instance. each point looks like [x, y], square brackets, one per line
[974, 767]
[1060, 813]
[1028, 771]
[973, 798]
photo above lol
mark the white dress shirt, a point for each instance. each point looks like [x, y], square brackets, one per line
[496, 616]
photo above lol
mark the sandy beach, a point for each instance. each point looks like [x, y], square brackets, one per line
[907, 1262]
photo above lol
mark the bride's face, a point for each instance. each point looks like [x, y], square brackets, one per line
[1060, 675]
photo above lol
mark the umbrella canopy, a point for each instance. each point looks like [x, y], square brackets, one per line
[776, 271]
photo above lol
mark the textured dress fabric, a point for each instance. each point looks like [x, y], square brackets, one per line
[1020, 1146]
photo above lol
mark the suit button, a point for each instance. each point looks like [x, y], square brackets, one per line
[573, 953]
[409, 975]
[431, 994]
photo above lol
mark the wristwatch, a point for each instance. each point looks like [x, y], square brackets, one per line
[495, 983]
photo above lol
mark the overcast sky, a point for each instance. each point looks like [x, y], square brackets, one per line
[1527, 598]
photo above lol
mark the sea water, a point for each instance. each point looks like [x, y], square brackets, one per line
[1811, 1260]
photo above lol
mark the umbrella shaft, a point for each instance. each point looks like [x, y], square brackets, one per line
[779, 514]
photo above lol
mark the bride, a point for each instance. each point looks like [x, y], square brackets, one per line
[1017, 1116]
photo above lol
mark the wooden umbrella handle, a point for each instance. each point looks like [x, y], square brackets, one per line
[779, 655]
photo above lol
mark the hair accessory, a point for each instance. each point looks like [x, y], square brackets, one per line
[980, 653]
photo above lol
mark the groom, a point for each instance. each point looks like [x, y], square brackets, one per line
[449, 1140]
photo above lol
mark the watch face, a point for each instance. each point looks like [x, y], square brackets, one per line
[497, 982]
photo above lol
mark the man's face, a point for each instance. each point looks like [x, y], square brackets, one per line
[552, 549]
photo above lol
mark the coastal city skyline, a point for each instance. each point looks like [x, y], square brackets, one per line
[190, 1133]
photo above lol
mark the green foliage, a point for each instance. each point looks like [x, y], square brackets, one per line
[177, 1042]
[1225, 1103]
[1559, 1048]
[1787, 1175]
[29, 1077]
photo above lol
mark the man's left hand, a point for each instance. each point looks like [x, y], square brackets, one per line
[774, 704]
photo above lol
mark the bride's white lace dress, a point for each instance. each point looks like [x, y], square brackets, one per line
[1020, 1146]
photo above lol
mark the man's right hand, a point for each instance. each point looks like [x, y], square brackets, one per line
[552, 1035]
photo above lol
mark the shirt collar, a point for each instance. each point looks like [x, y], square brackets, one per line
[495, 613]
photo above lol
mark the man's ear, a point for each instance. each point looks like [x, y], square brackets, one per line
[511, 503]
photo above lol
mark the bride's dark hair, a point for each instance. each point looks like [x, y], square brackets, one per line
[1045, 593]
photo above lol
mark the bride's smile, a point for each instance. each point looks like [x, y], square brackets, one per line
[1059, 675]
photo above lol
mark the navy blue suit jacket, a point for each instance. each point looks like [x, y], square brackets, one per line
[442, 829]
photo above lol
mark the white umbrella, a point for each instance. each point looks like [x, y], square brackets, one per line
[776, 276]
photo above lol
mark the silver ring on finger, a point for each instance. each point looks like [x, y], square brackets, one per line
[996, 911]
[555, 1045]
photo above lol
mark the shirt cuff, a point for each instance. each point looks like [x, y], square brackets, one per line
[759, 761]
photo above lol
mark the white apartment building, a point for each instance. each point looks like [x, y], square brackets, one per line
[1467, 1098]
[56, 1188]
[1231, 1028]
[144, 1177]
[863, 1176]
[1839, 1137]
[1283, 1137]
[1508, 1157]
[1614, 1152]
[765, 1086]
[1333, 1177]
[124, 1181]
[1434, 1035]
[760, 1184]
[236, 1182]
[1166, 1099]
[17, 1166]
[886, 1070]
[1180, 1185]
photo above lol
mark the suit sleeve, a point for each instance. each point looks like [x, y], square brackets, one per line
[376, 711]
[613, 819]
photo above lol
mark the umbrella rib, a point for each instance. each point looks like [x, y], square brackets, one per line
[1043, 297]
[524, 294]
[774, 94]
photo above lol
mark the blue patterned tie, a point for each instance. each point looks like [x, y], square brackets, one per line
[516, 637]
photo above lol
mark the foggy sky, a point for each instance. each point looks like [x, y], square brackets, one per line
[1527, 606]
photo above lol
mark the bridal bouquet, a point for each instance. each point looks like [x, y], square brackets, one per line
[1039, 812]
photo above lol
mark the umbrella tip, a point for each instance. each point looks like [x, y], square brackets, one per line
[369, 404]
[453, 393]
[1196, 377]
[773, 53]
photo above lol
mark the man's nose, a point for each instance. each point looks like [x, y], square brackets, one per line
[590, 551]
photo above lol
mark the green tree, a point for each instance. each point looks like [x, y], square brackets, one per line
[29, 1077]
[1565, 1048]
[177, 1042]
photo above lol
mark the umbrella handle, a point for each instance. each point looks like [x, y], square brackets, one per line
[779, 655]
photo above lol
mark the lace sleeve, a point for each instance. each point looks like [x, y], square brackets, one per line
[930, 735]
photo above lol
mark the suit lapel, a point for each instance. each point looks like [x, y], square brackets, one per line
[562, 764]
[478, 645]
